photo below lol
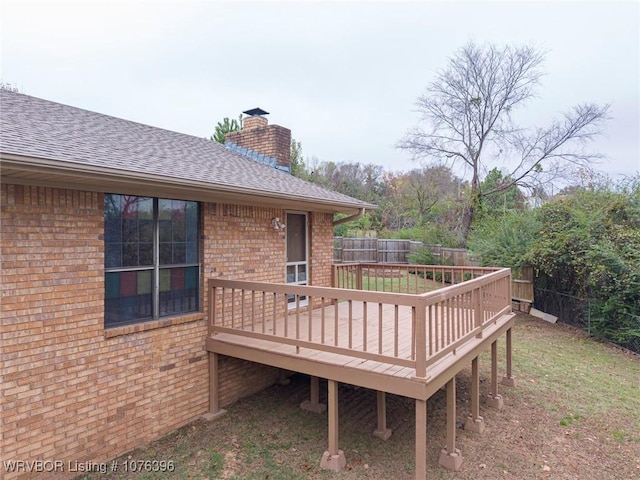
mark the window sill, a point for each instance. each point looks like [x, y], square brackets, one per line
[153, 324]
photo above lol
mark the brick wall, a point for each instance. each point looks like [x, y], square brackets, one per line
[72, 391]
[321, 254]
[69, 393]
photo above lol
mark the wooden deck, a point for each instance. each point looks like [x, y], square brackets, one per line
[410, 344]
[380, 360]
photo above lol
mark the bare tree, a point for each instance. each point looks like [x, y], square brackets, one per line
[467, 121]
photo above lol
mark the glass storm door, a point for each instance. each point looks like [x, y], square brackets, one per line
[297, 267]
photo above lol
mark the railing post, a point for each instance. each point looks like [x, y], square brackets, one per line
[359, 276]
[421, 339]
[212, 307]
[477, 309]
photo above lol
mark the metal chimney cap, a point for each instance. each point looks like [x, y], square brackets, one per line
[255, 112]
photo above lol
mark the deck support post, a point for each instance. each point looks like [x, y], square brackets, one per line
[333, 458]
[475, 423]
[421, 439]
[382, 432]
[509, 380]
[313, 404]
[450, 456]
[214, 407]
[494, 400]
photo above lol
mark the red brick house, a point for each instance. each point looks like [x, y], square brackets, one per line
[109, 230]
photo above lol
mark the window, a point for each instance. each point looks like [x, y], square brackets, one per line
[152, 259]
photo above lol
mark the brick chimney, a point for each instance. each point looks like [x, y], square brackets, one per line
[257, 135]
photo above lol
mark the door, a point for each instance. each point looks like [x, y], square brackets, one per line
[297, 264]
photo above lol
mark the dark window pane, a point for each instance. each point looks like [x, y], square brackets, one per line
[112, 285]
[129, 207]
[191, 277]
[179, 253]
[178, 290]
[130, 255]
[112, 228]
[179, 231]
[164, 209]
[111, 205]
[145, 208]
[291, 273]
[145, 230]
[165, 280]
[113, 255]
[144, 282]
[302, 273]
[296, 237]
[146, 254]
[178, 219]
[192, 252]
[164, 231]
[192, 222]
[165, 254]
[127, 297]
[129, 230]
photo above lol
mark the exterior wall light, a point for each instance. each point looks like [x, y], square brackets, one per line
[276, 224]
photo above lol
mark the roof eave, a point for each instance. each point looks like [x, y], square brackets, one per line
[47, 172]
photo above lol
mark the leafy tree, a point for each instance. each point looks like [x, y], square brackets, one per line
[226, 126]
[424, 200]
[505, 240]
[506, 197]
[467, 111]
[9, 87]
[298, 167]
[588, 246]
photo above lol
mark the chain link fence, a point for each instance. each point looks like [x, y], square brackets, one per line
[579, 312]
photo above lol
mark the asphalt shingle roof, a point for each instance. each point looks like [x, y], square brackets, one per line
[33, 127]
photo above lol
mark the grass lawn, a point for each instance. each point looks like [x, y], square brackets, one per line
[574, 414]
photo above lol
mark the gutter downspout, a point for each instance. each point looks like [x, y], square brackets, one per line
[350, 219]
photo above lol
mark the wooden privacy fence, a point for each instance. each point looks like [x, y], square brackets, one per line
[522, 290]
[375, 250]
[408, 330]
[391, 251]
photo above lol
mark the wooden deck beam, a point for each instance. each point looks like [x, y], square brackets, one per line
[382, 431]
[333, 458]
[509, 380]
[214, 407]
[421, 439]
[494, 399]
[450, 456]
[313, 404]
[475, 423]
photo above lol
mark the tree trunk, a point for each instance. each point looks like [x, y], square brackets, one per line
[469, 212]
[467, 219]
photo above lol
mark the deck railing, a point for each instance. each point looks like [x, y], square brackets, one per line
[402, 278]
[380, 313]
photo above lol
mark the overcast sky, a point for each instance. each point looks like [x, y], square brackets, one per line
[344, 77]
